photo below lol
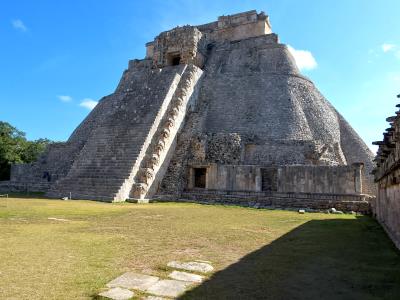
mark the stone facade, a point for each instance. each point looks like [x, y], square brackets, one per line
[215, 108]
[386, 206]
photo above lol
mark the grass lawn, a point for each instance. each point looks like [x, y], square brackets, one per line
[258, 254]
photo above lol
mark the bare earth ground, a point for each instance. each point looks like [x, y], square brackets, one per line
[52, 249]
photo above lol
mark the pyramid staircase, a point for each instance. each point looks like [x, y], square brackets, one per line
[129, 149]
[158, 155]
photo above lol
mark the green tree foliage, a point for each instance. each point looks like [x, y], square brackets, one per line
[15, 148]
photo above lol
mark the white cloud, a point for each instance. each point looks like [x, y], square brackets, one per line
[19, 25]
[65, 98]
[88, 103]
[387, 47]
[304, 59]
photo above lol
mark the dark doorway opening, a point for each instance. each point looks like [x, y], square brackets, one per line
[269, 179]
[176, 60]
[200, 177]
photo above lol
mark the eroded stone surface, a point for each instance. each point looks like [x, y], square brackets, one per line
[194, 266]
[154, 298]
[132, 280]
[184, 276]
[118, 294]
[168, 288]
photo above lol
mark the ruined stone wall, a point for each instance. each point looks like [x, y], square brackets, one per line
[386, 206]
[320, 179]
[272, 200]
[286, 179]
[182, 42]
[240, 26]
[51, 166]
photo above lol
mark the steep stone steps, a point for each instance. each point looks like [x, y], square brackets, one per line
[108, 161]
[156, 160]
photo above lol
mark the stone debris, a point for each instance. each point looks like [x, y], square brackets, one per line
[154, 298]
[118, 294]
[334, 211]
[135, 281]
[58, 219]
[184, 276]
[302, 211]
[168, 288]
[193, 266]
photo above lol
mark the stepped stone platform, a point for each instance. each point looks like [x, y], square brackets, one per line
[212, 110]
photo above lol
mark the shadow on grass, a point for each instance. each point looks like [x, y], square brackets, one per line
[321, 259]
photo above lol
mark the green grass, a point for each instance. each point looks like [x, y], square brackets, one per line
[258, 254]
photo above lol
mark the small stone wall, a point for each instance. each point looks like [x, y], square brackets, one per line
[22, 187]
[319, 202]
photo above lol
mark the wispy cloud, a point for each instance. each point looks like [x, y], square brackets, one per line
[386, 47]
[19, 25]
[88, 103]
[393, 48]
[304, 59]
[64, 98]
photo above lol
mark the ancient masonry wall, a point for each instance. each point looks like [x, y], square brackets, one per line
[310, 201]
[338, 180]
[386, 206]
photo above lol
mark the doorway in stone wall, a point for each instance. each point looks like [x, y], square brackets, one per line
[200, 178]
[176, 60]
[269, 179]
[173, 59]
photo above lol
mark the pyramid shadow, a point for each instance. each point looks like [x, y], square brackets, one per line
[321, 259]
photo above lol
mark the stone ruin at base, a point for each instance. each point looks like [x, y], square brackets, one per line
[217, 112]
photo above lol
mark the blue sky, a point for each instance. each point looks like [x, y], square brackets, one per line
[59, 57]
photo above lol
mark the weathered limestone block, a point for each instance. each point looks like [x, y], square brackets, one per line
[185, 276]
[168, 288]
[194, 266]
[117, 294]
[134, 281]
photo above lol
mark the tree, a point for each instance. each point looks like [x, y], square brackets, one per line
[15, 148]
[33, 149]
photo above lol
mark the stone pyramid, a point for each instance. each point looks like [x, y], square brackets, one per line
[212, 109]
